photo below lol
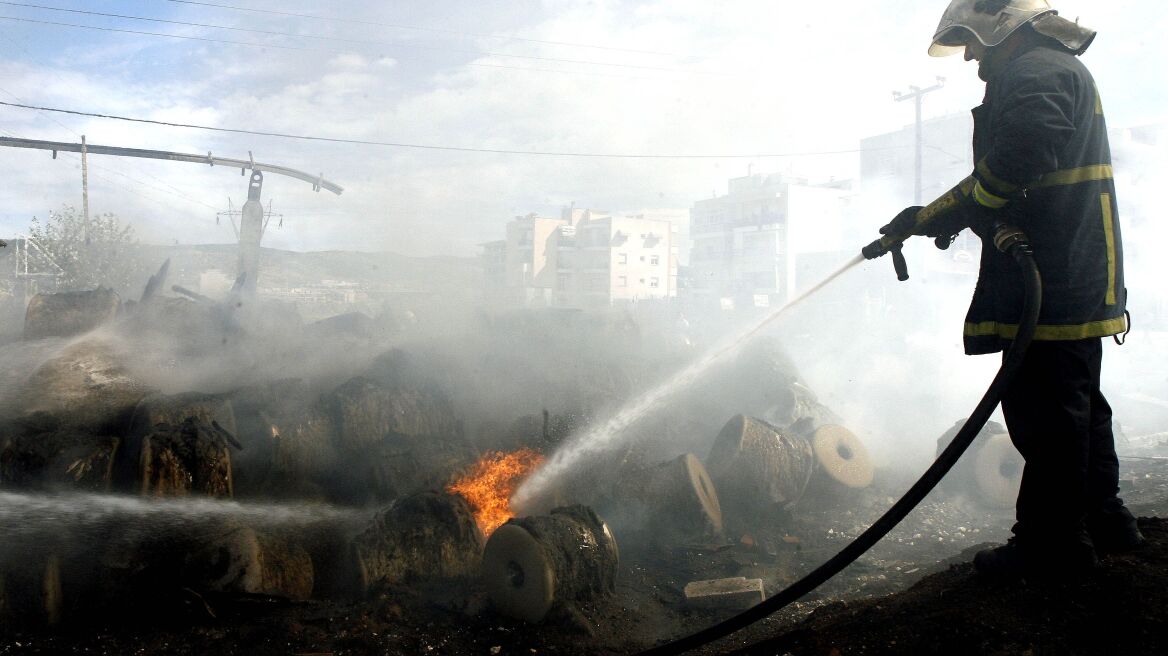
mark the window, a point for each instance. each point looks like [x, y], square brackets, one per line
[622, 258]
[653, 260]
[622, 281]
[563, 280]
[653, 282]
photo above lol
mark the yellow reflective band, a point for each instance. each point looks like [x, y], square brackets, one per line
[1075, 176]
[999, 185]
[1109, 235]
[986, 199]
[1102, 328]
[1098, 102]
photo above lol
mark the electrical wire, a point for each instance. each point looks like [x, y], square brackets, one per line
[393, 144]
[265, 46]
[435, 30]
[478, 53]
[175, 191]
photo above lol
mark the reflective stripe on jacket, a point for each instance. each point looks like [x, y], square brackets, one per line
[1040, 143]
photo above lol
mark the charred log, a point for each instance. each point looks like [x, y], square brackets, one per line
[534, 564]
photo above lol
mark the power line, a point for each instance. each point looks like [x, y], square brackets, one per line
[393, 144]
[435, 30]
[285, 47]
[388, 44]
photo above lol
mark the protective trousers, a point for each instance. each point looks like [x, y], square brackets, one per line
[1061, 424]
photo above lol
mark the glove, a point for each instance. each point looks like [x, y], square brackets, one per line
[951, 223]
[904, 224]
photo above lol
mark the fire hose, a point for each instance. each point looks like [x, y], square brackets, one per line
[1007, 239]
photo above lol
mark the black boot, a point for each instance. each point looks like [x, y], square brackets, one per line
[1015, 560]
[1114, 531]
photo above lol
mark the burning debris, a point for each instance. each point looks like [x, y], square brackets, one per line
[489, 484]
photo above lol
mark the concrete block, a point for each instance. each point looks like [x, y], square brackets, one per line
[736, 593]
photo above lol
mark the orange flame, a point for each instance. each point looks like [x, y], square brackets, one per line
[489, 483]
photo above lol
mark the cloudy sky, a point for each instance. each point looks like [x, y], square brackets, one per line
[778, 85]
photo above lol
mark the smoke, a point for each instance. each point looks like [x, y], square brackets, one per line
[599, 439]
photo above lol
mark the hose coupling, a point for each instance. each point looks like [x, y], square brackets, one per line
[1010, 239]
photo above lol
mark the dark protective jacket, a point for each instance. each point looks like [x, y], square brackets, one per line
[1044, 165]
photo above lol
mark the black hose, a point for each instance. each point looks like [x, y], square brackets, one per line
[1016, 246]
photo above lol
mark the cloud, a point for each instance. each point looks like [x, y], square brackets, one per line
[751, 77]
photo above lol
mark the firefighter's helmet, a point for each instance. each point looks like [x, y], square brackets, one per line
[989, 21]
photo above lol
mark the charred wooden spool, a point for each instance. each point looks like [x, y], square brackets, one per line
[41, 456]
[998, 471]
[533, 564]
[69, 313]
[86, 385]
[683, 500]
[675, 501]
[991, 472]
[428, 535]
[241, 560]
[394, 439]
[31, 593]
[758, 468]
[179, 445]
[842, 460]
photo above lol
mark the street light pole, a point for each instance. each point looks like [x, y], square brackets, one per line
[917, 94]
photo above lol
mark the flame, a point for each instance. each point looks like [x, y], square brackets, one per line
[489, 483]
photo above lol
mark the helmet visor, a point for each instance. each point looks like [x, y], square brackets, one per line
[950, 41]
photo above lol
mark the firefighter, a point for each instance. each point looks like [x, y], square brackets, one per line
[1043, 164]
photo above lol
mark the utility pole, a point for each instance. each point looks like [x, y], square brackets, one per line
[917, 94]
[84, 191]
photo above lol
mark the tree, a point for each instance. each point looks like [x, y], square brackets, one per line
[94, 253]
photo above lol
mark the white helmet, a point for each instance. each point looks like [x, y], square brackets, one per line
[989, 21]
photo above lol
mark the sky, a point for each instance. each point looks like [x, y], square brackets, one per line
[711, 90]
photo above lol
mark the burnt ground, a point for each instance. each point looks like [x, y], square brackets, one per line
[915, 592]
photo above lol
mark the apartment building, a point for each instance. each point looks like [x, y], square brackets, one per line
[759, 241]
[584, 258]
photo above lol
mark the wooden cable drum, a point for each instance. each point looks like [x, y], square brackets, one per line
[425, 536]
[756, 466]
[533, 564]
[998, 471]
[841, 456]
[682, 499]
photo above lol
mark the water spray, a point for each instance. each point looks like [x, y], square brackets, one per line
[595, 440]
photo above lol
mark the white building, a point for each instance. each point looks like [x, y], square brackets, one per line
[584, 259]
[761, 239]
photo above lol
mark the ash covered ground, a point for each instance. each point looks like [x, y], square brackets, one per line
[457, 388]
